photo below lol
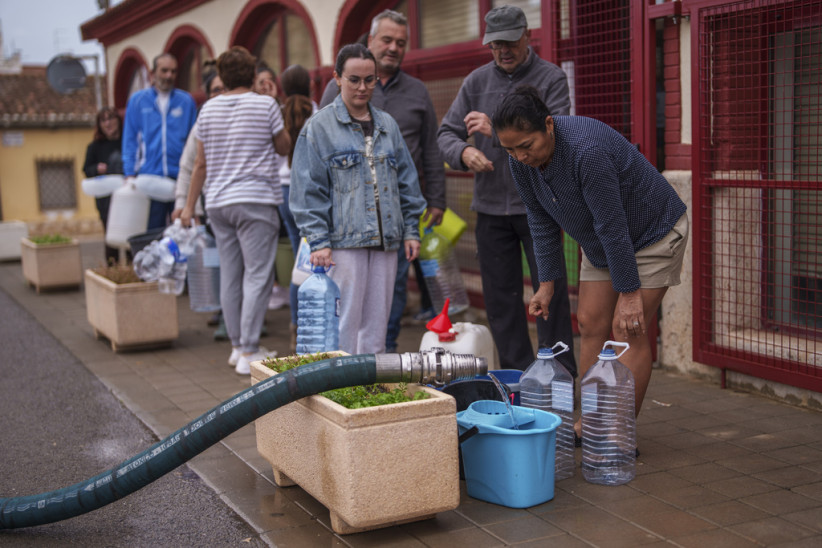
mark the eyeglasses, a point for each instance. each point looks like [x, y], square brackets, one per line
[355, 81]
[497, 45]
[217, 90]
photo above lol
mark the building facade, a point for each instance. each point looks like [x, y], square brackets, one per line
[722, 95]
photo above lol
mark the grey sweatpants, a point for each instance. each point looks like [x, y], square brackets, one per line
[366, 281]
[247, 236]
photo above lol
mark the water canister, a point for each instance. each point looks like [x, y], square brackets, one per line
[608, 420]
[441, 272]
[318, 314]
[102, 185]
[204, 274]
[470, 338]
[547, 385]
[127, 215]
[156, 187]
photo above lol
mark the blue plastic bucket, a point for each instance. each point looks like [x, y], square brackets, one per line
[508, 377]
[513, 468]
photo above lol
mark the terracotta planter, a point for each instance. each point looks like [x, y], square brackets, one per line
[49, 266]
[132, 315]
[371, 467]
[11, 232]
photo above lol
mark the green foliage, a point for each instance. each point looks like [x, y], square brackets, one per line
[352, 397]
[50, 239]
[119, 274]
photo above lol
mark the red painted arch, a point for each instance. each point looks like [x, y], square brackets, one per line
[130, 60]
[258, 14]
[355, 19]
[185, 35]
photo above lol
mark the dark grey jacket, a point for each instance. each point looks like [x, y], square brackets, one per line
[481, 91]
[407, 100]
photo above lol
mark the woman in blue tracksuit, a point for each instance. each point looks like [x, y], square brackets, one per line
[356, 199]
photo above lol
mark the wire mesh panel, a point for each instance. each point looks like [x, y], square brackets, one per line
[757, 174]
[56, 184]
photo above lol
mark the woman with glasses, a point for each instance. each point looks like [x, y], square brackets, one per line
[356, 199]
[103, 158]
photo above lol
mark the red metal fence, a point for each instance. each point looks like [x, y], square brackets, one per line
[757, 234]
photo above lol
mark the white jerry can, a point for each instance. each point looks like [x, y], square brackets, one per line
[468, 338]
[127, 215]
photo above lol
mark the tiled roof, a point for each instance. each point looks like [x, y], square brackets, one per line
[27, 100]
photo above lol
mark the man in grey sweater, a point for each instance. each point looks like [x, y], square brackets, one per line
[502, 225]
[407, 100]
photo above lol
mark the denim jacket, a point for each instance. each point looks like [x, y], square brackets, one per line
[332, 200]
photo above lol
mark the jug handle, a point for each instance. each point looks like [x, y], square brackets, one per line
[468, 434]
[561, 345]
[615, 343]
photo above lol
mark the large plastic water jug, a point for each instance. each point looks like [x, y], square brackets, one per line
[608, 419]
[318, 314]
[156, 187]
[204, 274]
[441, 272]
[127, 215]
[102, 185]
[460, 338]
[547, 385]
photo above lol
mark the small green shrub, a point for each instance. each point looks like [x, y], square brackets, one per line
[352, 397]
[119, 274]
[50, 239]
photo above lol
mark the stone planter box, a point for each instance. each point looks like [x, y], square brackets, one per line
[11, 232]
[372, 467]
[49, 266]
[130, 316]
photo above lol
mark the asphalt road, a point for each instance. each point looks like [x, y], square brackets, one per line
[60, 426]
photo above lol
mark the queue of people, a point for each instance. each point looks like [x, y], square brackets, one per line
[353, 176]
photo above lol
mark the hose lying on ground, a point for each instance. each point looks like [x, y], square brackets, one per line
[434, 366]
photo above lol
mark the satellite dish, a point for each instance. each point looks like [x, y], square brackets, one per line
[65, 74]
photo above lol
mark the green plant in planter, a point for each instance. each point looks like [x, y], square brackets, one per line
[352, 397]
[50, 239]
[119, 274]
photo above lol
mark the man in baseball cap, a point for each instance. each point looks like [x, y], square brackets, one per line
[502, 226]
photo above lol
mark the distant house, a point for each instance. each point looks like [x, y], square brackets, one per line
[43, 140]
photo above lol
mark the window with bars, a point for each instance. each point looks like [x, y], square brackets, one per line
[56, 184]
[758, 169]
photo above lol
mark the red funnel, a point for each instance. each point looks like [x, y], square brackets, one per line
[441, 325]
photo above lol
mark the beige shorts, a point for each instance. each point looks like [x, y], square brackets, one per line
[659, 264]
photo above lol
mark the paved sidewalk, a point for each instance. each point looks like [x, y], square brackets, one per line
[718, 467]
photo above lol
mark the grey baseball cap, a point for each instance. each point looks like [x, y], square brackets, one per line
[506, 23]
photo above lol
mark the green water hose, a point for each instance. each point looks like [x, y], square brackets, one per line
[434, 366]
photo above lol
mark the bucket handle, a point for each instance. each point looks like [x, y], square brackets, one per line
[616, 343]
[468, 434]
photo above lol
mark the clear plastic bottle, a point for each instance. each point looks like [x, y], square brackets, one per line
[173, 266]
[203, 276]
[608, 420]
[547, 385]
[318, 314]
[442, 273]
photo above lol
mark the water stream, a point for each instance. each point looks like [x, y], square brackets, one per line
[508, 405]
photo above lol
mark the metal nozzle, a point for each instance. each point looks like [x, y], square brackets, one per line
[435, 366]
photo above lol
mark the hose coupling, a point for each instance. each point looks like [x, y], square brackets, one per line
[435, 366]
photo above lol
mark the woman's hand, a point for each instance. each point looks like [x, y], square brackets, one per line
[538, 307]
[322, 257]
[102, 167]
[412, 249]
[185, 216]
[629, 321]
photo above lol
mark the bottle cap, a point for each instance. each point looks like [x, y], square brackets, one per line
[317, 268]
[545, 353]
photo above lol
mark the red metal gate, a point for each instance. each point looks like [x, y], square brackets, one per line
[757, 235]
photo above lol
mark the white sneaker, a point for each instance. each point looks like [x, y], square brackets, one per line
[244, 363]
[278, 299]
[235, 356]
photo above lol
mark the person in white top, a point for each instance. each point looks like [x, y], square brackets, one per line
[238, 134]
